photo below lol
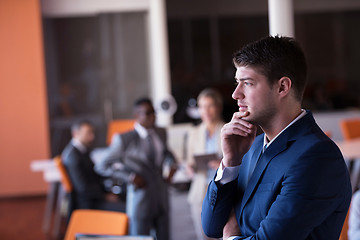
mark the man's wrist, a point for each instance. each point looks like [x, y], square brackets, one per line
[226, 174]
[231, 163]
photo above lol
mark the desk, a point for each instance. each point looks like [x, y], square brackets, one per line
[350, 148]
[52, 176]
[47, 166]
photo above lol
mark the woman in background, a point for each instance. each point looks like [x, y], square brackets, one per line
[202, 140]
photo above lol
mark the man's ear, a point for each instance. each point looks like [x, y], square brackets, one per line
[284, 86]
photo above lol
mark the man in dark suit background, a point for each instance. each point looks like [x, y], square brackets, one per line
[289, 183]
[144, 161]
[88, 188]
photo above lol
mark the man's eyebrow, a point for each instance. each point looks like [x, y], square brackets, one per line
[244, 79]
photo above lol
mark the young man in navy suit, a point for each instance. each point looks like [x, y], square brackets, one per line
[290, 182]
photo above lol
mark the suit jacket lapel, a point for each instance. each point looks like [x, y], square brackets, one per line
[274, 149]
[279, 145]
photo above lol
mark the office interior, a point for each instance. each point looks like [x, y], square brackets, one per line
[91, 60]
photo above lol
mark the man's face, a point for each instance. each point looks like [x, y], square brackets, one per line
[209, 111]
[85, 134]
[145, 115]
[254, 94]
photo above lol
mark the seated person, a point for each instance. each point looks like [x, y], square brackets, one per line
[88, 189]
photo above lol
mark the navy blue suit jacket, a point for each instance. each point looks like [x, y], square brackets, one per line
[300, 189]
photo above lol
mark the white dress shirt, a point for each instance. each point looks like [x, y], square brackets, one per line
[159, 147]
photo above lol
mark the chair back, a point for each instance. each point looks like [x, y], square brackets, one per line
[345, 228]
[119, 126]
[89, 221]
[350, 128]
[65, 180]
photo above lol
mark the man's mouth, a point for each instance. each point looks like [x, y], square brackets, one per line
[242, 108]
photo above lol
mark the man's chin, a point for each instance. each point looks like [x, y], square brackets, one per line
[249, 119]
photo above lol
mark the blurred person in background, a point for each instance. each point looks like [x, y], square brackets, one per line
[143, 160]
[204, 139]
[89, 191]
[354, 217]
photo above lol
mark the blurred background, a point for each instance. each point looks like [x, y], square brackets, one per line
[63, 60]
[97, 65]
[70, 59]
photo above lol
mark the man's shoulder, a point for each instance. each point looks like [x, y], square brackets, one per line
[127, 136]
[68, 149]
[69, 153]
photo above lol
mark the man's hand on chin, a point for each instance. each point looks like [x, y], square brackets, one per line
[236, 139]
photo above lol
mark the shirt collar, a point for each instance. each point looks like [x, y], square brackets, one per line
[78, 145]
[143, 132]
[266, 140]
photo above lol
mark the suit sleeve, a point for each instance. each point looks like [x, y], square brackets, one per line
[216, 207]
[80, 180]
[170, 158]
[113, 159]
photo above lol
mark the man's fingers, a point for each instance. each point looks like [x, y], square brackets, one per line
[236, 131]
[242, 128]
[239, 115]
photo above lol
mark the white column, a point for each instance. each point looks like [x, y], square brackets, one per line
[281, 18]
[159, 57]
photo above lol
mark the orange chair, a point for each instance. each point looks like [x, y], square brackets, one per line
[64, 200]
[119, 126]
[65, 180]
[350, 128]
[88, 221]
[345, 228]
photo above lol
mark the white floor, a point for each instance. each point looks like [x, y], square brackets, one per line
[181, 222]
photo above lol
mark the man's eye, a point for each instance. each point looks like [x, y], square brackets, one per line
[248, 83]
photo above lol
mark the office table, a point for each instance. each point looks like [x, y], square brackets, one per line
[52, 176]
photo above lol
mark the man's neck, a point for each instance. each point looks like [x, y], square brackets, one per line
[280, 122]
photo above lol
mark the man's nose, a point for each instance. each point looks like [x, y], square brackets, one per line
[238, 93]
